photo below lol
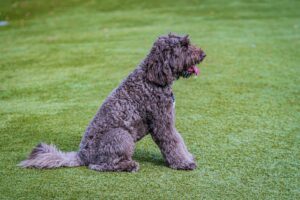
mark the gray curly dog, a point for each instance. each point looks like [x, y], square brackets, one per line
[142, 104]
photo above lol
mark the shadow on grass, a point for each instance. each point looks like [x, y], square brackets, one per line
[142, 155]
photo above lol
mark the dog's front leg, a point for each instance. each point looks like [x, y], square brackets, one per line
[172, 145]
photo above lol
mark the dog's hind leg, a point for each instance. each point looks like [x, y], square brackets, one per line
[114, 152]
[123, 166]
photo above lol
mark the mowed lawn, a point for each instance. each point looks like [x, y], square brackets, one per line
[240, 118]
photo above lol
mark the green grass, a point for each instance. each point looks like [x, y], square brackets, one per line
[240, 118]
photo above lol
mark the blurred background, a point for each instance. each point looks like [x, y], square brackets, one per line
[240, 118]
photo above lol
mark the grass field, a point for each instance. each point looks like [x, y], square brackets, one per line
[240, 118]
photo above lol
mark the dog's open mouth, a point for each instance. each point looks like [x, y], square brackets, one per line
[190, 71]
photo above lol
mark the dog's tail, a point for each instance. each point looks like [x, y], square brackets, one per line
[48, 156]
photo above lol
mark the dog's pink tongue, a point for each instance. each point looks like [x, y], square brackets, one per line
[194, 70]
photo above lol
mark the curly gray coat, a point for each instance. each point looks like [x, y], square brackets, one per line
[142, 104]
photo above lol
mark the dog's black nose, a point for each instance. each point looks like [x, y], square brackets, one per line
[203, 55]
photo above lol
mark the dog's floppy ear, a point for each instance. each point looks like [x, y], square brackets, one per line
[158, 70]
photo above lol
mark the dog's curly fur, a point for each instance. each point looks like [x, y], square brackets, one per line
[142, 104]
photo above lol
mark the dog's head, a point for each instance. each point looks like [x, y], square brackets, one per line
[172, 57]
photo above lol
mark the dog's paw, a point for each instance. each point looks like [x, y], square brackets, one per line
[133, 167]
[192, 157]
[184, 166]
